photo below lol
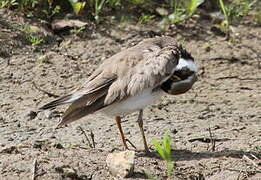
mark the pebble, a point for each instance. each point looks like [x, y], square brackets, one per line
[121, 164]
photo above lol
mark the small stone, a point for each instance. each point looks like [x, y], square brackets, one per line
[67, 171]
[58, 146]
[162, 11]
[121, 164]
[43, 59]
[31, 115]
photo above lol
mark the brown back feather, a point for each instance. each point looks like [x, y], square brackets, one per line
[122, 75]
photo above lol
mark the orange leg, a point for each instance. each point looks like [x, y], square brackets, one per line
[140, 122]
[118, 122]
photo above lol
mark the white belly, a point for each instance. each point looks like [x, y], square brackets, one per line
[133, 103]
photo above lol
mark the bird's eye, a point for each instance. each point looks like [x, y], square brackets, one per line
[186, 73]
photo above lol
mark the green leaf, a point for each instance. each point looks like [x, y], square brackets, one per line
[222, 5]
[159, 149]
[192, 6]
[170, 167]
[167, 145]
[164, 151]
[77, 7]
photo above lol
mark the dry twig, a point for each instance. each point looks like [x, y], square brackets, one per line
[34, 169]
[213, 142]
[254, 156]
[92, 137]
[250, 160]
[49, 94]
[244, 171]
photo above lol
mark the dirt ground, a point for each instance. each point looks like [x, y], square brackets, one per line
[225, 103]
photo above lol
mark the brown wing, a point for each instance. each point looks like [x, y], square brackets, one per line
[155, 68]
[86, 105]
[91, 99]
[93, 84]
[125, 74]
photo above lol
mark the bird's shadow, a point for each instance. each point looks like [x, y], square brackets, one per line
[186, 155]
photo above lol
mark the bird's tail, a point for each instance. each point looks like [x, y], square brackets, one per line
[60, 101]
[74, 112]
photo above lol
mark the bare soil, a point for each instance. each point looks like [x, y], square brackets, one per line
[215, 127]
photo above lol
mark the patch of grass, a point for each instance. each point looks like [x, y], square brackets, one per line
[98, 8]
[77, 6]
[77, 31]
[32, 8]
[31, 35]
[173, 11]
[164, 150]
[51, 10]
[225, 22]
[233, 13]
[144, 18]
[114, 3]
[7, 3]
[34, 40]
[183, 9]
[27, 4]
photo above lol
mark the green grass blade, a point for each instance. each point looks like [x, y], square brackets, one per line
[167, 145]
[170, 167]
[192, 6]
[159, 149]
[222, 5]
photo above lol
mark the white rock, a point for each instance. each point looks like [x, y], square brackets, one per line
[121, 164]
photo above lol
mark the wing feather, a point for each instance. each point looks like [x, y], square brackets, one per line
[149, 73]
[125, 74]
[79, 112]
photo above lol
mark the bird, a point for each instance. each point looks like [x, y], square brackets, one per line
[131, 80]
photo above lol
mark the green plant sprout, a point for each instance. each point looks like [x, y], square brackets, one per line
[8, 3]
[77, 31]
[225, 22]
[31, 36]
[192, 6]
[77, 6]
[234, 13]
[34, 40]
[164, 150]
[97, 5]
[183, 10]
[144, 18]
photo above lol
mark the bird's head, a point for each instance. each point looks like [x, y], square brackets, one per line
[184, 75]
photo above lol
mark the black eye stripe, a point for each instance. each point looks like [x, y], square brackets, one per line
[183, 74]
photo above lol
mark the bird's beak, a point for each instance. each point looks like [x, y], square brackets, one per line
[175, 78]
